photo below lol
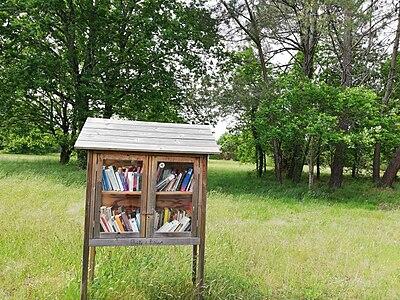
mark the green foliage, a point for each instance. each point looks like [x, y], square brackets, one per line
[34, 142]
[62, 61]
[237, 146]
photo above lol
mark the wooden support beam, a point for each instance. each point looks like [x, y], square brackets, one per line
[85, 250]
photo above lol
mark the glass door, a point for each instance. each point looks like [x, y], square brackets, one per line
[121, 205]
[172, 201]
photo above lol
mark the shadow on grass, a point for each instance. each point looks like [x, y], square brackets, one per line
[219, 284]
[235, 181]
[359, 192]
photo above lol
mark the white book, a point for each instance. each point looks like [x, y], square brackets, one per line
[138, 179]
[189, 186]
[165, 228]
[115, 225]
[130, 181]
[185, 221]
[111, 225]
[174, 224]
[138, 219]
[175, 187]
[156, 220]
[134, 225]
[162, 184]
[103, 223]
[120, 184]
[108, 213]
[113, 179]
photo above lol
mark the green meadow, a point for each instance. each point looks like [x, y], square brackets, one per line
[263, 241]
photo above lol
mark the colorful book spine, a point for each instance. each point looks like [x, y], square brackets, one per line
[186, 181]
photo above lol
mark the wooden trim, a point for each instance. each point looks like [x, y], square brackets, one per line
[195, 198]
[202, 228]
[143, 196]
[96, 212]
[86, 232]
[114, 154]
[144, 241]
[172, 234]
[194, 263]
[120, 235]
[92, 262]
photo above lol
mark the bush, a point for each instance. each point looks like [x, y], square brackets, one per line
[33, 142]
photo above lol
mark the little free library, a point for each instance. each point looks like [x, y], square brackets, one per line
[146, 185]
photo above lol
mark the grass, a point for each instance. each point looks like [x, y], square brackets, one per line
[264, 241]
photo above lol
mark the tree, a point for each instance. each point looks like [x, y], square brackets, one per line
[352, 27]
[68, 60]
[376, 169]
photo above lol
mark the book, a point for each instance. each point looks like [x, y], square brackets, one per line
[185, 221]
[169, 186]
[177, 180]
[112, 178]
[160, 170]
[137, 219]
[121, 178]
[119, 223]
[126, 222]
[172, 220]
[104, 224]
[120, 185]
[134, 225]
[166, 215]
[163, 183]
[105, 180]
[186, 180]
[130, 181]
[189, 186]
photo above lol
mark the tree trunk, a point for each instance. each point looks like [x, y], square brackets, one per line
[311, 163]
[108, 110]
[389, 178]
[354, 167]
[265, 163]
[336, 178]
[297, 163]
[65, 154]
[260, 159]
[376, 164]
[277, 160]
[391, 170]
[319, 160]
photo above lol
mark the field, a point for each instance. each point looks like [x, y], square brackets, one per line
[264, 241]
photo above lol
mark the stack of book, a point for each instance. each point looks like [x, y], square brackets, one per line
[172, 220]
[117, 220]
[122, 178]
[171, 180]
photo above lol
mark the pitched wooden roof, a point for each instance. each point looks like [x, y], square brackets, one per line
[123, 135]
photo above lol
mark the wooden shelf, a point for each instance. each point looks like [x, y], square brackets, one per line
[176, 193]
[144, 241]
[121, 192]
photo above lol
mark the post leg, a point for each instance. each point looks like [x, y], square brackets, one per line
[200, 274]
[194, 264]
[85, 264]
[85, 255]
[92, 261]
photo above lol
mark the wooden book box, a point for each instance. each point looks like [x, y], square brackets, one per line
[146, 185]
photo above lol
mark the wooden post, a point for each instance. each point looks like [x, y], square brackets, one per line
[202, 226]
[85, 256]
[92, 261]
[194, 264]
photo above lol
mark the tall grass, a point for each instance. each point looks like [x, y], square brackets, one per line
[264, 241]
